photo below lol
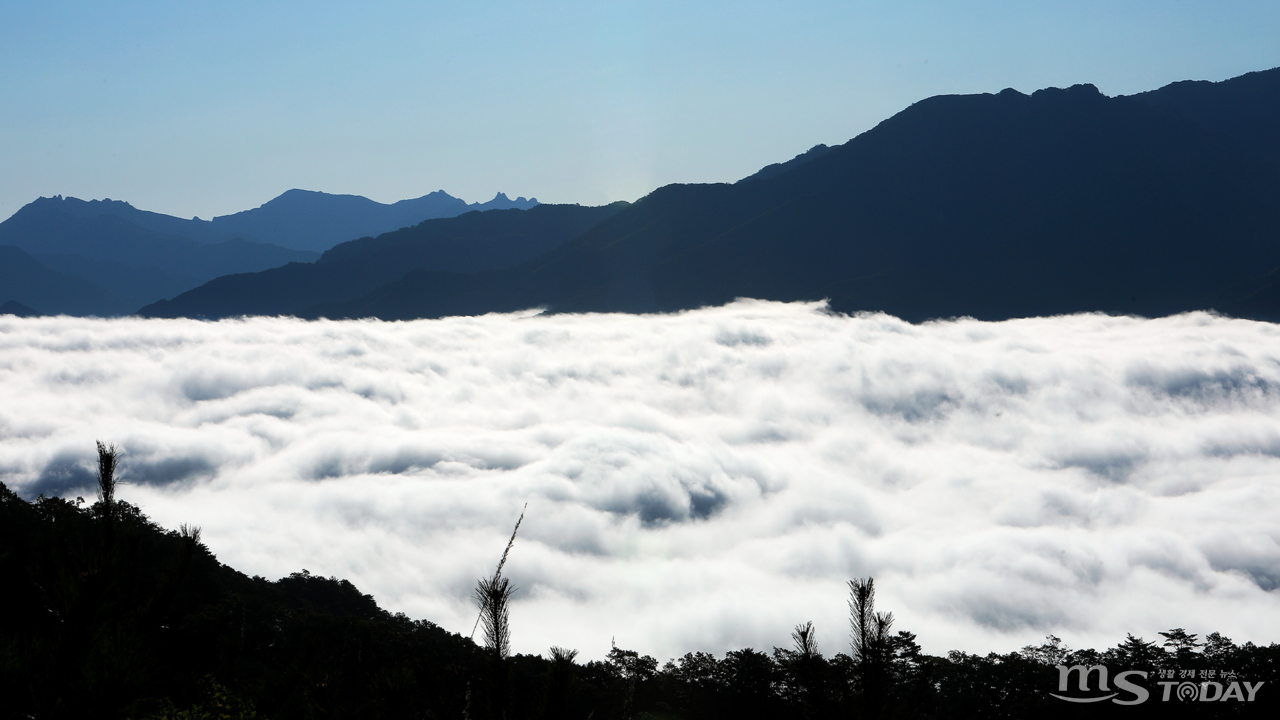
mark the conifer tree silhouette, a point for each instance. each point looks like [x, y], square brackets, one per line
[493, 596]
[805, 664]
[108, 457]
[869, 641]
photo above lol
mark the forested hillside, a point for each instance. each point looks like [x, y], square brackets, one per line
[108, 615]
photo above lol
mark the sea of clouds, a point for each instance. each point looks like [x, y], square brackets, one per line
[699, 481]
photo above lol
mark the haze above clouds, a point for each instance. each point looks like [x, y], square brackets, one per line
[701, 481]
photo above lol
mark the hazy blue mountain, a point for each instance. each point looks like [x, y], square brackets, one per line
[13, 307]
[201, 231]
[297, 219]
[994, 205]
[25, 283]
[140, 257]
[470, 242]
[136, 264]
[43, 229]
[316, 221]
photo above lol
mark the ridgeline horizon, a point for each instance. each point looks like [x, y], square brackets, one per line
[106, 257]
[992, 206]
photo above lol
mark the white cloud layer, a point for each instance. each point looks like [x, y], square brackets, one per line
[701, 481]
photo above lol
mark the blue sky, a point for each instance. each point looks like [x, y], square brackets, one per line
[202, 108]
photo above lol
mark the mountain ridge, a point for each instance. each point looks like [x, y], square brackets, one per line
[138, 257]
[991, 205]
[316, 221]
[472, 241]
[136, 264]
[29, 288]
[994, 206]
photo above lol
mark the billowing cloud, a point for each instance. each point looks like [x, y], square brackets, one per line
[705, 480]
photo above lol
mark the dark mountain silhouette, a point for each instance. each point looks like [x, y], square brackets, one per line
[13, 307]
[25, 283]
[316, 221]
[297, 219]
[466, 243]
[140, 257]
[1244, 108]
[993, 206]
[769, 171]
[135, 264]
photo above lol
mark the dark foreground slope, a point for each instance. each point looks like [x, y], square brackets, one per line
[106, 615]
[993, 206]
[466, 243]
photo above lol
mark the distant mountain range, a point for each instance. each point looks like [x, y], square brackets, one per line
[993, 206]
[106, 257]
[28, 285]
[463, 244]
[316, 221]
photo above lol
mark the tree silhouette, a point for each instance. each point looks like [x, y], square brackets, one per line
[493, 596]
[869, 641]
[806, 642]
[92, 633]
[1181, 643]
[805, 668]
[108, 457]
[560, 679]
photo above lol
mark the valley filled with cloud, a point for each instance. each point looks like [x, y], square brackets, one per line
[697, 481]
